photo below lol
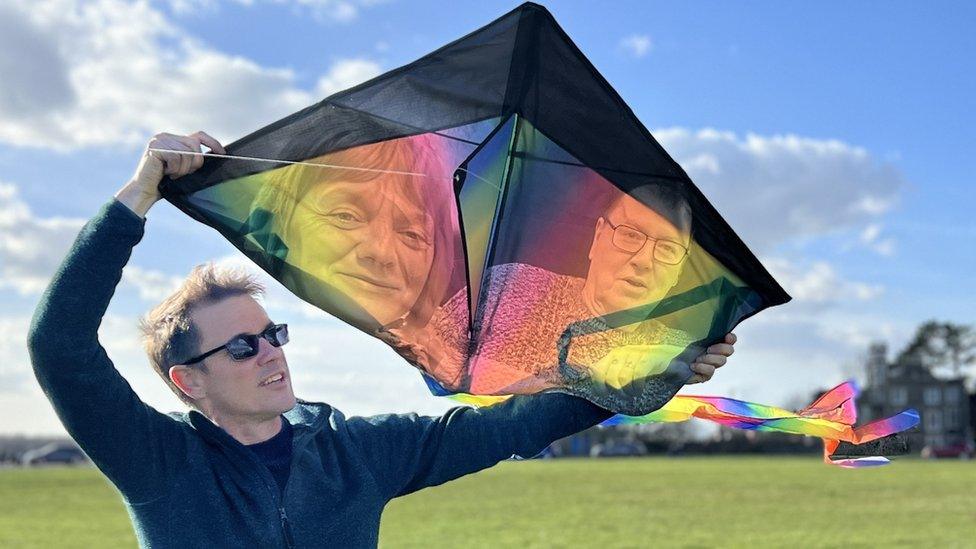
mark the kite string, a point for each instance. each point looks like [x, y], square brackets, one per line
[291, 162]
[320, 165]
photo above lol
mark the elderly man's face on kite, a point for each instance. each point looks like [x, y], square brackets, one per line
[635, 258]
[371, 240]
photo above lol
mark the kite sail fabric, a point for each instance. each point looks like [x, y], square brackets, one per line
[497, 214]
[831, 418]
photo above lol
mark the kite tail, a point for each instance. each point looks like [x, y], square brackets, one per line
[831, 418]
[872, 431]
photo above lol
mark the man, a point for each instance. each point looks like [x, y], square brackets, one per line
[250, 466]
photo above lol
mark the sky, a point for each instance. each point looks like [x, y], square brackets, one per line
[837, 139]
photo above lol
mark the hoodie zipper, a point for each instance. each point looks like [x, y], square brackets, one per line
[282, 517]
[289, 540]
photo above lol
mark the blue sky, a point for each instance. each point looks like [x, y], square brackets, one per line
[837, 139]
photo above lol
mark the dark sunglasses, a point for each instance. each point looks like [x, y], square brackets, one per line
[245, 346]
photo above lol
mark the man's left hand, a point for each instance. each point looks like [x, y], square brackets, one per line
[713, 358]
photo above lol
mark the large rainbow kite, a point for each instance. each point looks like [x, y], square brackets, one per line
[497, 214]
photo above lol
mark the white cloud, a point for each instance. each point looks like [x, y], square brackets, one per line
[870, 233]
[152, 286]
[117, 71]
[337, 10]
[35, 83]
[884, 247]
[345, 74]
[30, 247]
[774, 189]
[870, 237]
[192, 7]
[15, 372]
[818, 282]
[637, 45]
[327, 11]
[857, 334]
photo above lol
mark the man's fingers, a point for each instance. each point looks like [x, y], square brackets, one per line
[161, 143]
[176, 164]
[190, 160]
[703, 372]
[702, 369]
[721, 349]
[210, 142]
[196, 161]
[712, 360]
[185, 160]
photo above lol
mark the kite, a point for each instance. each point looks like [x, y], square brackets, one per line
[497, 214]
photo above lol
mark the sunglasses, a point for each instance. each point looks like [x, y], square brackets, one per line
[244, 346]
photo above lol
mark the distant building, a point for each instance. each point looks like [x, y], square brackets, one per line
[943, 403]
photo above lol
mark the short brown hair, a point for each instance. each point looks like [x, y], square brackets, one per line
[169, 335]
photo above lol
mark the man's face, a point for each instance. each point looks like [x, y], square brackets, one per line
[235, 388]
[618, 280]
[371, 241]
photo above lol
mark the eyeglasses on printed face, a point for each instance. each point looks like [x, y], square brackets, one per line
[630, 240]
[244, 346]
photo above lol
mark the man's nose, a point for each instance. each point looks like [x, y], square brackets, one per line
[644, 258]
[267, 351]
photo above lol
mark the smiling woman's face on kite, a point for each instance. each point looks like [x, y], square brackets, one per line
[372, 240]
[358, 223]
[619, 278]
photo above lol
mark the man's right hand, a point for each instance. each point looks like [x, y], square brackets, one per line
[142, 191]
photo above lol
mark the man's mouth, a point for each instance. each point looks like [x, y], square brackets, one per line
[635, 282]
[274, 379]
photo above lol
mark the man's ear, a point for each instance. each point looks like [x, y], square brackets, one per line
[596, 235]
[189, 380]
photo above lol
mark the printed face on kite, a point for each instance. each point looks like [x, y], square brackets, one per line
[371, 240]
[375, 223]
[635, 258]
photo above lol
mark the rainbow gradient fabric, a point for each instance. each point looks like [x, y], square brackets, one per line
[831, 417]
[495, 213]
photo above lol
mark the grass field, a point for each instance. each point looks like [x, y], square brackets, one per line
[659, 502]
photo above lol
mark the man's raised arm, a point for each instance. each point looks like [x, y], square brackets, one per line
[126, 439]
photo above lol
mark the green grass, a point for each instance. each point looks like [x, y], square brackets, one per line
[693, 502]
